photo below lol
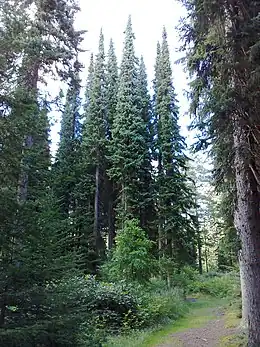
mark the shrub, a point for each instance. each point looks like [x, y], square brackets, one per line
[112, 305]
[224, 285]
[161, 306]
[132, 259]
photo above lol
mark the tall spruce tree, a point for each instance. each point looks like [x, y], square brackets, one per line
[174, 197]
[95, 142]
[128, 149]
[112, 87]
[147, 207]
[66, 167]
[110, 191]
[69, 143]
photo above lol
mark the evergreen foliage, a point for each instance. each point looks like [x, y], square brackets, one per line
[176, 232]
[95, 141]
[128, 148]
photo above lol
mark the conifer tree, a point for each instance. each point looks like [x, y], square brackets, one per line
[89, 83]
[95, 141]
[128, 149]
[66, 158]
[110, 191]
[147, 208]
[174, 196]
[112, 86]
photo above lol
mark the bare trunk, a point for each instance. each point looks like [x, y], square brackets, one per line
[200, 254]
[111, 223]
[244, 321]
[247, 221]
[97, 233]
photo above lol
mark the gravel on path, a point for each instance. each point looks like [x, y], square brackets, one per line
[207, 336]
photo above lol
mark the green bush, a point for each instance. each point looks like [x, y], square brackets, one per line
[122, 307]
[218, 285]
[113, 306]
[161, 306]
[132, 259]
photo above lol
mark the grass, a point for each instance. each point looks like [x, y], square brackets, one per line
[233, 341]
[232, 320]
[201, 310]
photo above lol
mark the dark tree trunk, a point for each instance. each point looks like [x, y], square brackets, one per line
[99, 242]
[109, 200]
[200, 253]
[111, 223]
[247, 220]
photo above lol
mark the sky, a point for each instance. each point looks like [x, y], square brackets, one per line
[148, 19]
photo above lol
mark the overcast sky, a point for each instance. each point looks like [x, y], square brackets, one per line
[148, 18]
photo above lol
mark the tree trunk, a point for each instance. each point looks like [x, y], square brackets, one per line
[244, 321]
[247, 221]
[111, 223]
[97, 234]
[200, 253]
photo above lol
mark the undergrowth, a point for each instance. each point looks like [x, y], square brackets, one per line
[166, 310]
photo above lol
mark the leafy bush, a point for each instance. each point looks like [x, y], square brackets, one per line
[132, 259]
[160, 306]
[112, 305]
[218, 285]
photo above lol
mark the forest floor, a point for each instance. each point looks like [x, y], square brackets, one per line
[213, 333]
[210, 323]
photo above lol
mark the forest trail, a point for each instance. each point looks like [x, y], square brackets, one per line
[205, 327]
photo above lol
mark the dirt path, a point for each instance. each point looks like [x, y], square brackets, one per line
[208, 335]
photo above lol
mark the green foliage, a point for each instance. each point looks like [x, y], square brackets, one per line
[128, 150]
[132, 259]
[160, 306]
[175, 200]
[217, 285]
[112, 306]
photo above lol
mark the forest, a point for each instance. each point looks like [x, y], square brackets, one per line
[126, 228]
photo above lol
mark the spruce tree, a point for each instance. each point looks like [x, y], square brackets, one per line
[146, 189]
[95, 142]
[110, 187]
[111, 86]
[66, 157]
[128, 149]
[89, 83]
[66, 169]
[174, 197]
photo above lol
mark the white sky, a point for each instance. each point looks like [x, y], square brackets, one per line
[148, 18]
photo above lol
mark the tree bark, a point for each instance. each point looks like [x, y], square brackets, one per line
[247, 221]
[111, 223]
[97, 234]
[244, 320]
[200, 253]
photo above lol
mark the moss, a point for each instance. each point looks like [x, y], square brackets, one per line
[231, 319]
[233, 341]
